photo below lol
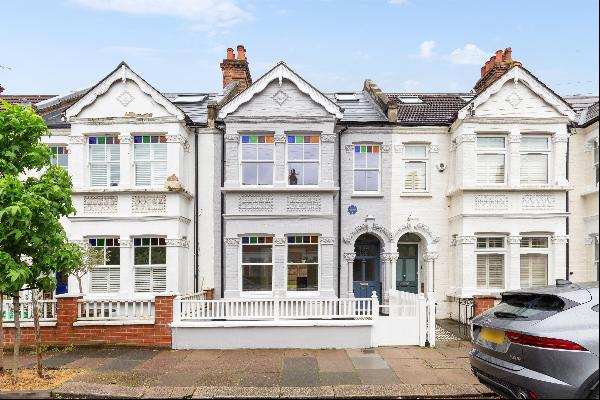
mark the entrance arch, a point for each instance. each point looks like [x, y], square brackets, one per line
[366, 269]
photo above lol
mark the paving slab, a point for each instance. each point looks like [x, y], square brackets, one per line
[59, 360]
[405, 363]
[419, 375]
[446, 364]
[378, 377]
[452, 390]
[320, 392]
[339, 378]
[80, 389]
[299, 377]
[119, 365]
[375, 362]
[168, 392]
[353, 391]
[355, 353]
[399, 391]
[210, 392]
[300, 363]
[456, 376]
[259, 379]
[87, 363]
[394, 352]
[426, 353]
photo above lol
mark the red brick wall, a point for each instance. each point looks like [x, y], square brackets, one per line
[64, 333]
[482, 303]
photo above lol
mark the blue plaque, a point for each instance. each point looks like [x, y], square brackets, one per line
[352, 209]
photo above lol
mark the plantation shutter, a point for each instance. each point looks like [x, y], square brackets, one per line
[415, 175]
[150, 164]
[534, 168]
[490, 168]
[490, 271]
[150, 279]
[159, 172]
[105, 280]
[481, 270]
[534, 270]
[98, 174]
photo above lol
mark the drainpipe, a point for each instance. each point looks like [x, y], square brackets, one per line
[222, 208]
[339, 224]
[567, 257]
[196, 265]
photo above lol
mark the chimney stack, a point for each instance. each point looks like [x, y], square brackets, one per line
[236, 69]
[495, 67]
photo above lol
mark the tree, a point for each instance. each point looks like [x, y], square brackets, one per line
[33, 243]
[90, 259]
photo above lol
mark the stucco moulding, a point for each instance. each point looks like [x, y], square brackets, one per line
[100, 204]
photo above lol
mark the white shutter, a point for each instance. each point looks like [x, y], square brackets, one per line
[159, 173]
[105, 280]
[496, 271]
[143, 277]
[159, 279]
[141, 152]
[415, 175]
[115, 174]
[534, 168]
[98, 174]
[97, 152]
[490, 168]
[525, 271]
[159, 151]
[481, 271]
[539, 270]
[143, 173]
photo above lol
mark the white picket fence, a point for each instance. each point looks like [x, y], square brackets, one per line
[47, 311]
[98, 310]
[272, 309]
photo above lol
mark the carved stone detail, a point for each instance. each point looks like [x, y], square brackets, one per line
[385, 148]
[515, 239]
[411, 226]
[149, 203]
[591, 239]
[367, 228]
[466, 239]
[279, 241]
[125, 98]
[231, 242]
[255, 202]
[514, 99]
[398, 148]
[538, 201]
[304, 203]
[560, 138]
[328, 138]
[560, 239]
[177, 243]
[327, 240]
[349, 148]
[125, 139]
[125, 242]
[434, 148]
[390, 257]
[280, 97]
[279, 138]
[491, 202]
[175, 139]
[430, 255]
[97, 204]
[514, 138]
[349, 257]
[468, 137]
[232, 137]
[76, 139]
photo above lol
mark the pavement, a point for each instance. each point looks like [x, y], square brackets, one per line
[385, 372]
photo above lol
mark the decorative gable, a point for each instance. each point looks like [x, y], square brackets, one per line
[123, 93]
[282, 92]
[517, 93]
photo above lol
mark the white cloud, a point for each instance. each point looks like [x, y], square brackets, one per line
[410, 84]
[426, 50]
[203, 14]
[360, 55]
[469, 54]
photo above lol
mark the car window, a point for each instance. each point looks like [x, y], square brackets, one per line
[529, 306]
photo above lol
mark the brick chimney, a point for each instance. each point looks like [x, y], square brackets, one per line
[495, 67]
[236, 69]
[1, 89]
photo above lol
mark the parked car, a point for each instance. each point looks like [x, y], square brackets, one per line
[539, 343]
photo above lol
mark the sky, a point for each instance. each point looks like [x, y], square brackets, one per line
[57, 46]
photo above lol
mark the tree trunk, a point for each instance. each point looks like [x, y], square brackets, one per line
[1, 332]
[79, 282]
[17, 320]
[36, 327]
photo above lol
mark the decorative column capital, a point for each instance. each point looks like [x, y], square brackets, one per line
[391, 257]
[514, 138]
[279, 138]
[279, 241]
[232, 242]
[515, 239]
[560, 138]
[349, 257]
[327, 240]
[231, 138]
[431, 256]
[328, 138]
[125, 138]
[560, 239]
[466, 239]
[349, 148]
[125, 242]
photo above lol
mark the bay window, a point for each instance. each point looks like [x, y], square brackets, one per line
[303, 263]
[303, 159]
[257, 263]
[491, 159]
[150, 264]
[104, 157]
[257, 159]
[535, 155]
[416, 160]
[105, 278]
[534, 262]
[60, 156]
[150, 159]
[596, 163]
[490, 262]
[367, 164]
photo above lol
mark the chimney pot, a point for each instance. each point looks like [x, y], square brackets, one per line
[241, 52]
[482, 71]
[498, 56]
[508, 54]
[230, 55]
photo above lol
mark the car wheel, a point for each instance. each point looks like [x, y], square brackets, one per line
[594, 394]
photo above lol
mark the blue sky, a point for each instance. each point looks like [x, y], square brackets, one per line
[55, 46]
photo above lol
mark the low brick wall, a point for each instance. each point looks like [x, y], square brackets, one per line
[483, 303]
[157, 334]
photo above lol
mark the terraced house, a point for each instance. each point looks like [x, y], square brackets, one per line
[274, 189]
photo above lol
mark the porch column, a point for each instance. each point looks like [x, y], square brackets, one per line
[349, 257]
[557, 266]
[429, 258]
[393, 260]
[466, 263]
[514, 262]
[389, 274]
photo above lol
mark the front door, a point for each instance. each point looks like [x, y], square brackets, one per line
[407, 267]
[62, 283]
[366, 269]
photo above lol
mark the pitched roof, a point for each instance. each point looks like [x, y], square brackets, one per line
[586, 108]
[359, 109]
[429, 108]
[25, 99]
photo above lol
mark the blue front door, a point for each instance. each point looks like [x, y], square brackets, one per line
[62, 283]
[366, 269]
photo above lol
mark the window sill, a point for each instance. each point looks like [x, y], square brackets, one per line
[416, 194]
[589, 191]
[367, 195]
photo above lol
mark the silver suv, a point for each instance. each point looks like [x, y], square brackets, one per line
[540, 343]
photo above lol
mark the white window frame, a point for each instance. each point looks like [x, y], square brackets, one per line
[424, 160]
[595, 163]
[491, 151]
[354, 169]
[287, 265]
[151, 161]
[241, 160]
[535, 250]
[54, 157]
[288, 161]
[502, 251]
[547, 152]
[110, 165]
[154, 269]
[257, 293]
[110, 270]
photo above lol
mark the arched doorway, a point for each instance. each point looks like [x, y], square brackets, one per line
[366, 270]
[407, 266]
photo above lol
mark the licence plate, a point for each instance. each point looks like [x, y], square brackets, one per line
[492, 335]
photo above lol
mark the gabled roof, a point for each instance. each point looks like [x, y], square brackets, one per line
[25, 99]
[123, 72]
[520, 74]
[431, 108]
[279, 72]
